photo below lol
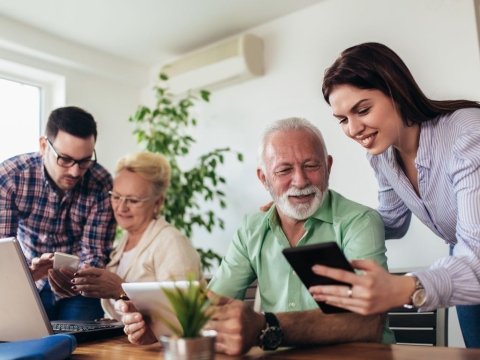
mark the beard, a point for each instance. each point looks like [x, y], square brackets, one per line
[298, 211]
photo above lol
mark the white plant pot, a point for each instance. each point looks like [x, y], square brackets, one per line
[201, 348]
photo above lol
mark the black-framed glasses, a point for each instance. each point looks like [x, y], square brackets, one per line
[66, 161]
[129, 201]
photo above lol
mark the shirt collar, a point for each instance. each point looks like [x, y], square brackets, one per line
[324, 212]
[423, 158]
[43, 171]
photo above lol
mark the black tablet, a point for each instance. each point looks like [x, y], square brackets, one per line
[303, 258]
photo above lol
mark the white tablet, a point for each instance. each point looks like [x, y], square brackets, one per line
[150, 301]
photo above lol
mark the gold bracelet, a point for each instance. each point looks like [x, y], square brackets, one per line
[123, 296]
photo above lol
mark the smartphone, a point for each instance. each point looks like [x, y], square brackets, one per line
[60, 259]
[303, 258]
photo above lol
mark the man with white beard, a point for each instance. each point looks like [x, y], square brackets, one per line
[294, 166]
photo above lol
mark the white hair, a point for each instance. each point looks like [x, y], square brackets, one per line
[292, 123]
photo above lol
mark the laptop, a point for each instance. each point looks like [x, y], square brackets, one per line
[23, 316]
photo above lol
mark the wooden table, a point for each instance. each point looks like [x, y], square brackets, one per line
[120, 349]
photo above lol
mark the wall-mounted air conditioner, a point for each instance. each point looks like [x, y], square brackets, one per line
[216, 66]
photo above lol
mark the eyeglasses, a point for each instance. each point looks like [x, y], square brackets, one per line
[66, 161]
[129, 201]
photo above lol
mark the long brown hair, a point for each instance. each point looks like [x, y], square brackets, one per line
[375, 66]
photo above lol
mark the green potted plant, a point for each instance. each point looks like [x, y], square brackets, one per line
[191, 307]
[164, 129]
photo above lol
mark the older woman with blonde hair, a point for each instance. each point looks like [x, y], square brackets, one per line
[151, 249]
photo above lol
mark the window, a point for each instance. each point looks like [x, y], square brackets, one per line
[27, 96]
[20, 118]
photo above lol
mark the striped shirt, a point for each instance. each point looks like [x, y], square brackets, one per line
[80, 223]
[448, 164]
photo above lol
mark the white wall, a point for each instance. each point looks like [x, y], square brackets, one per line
[437, 40]
[104, 85]
[111, 103]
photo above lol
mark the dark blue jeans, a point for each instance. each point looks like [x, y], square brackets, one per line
[74, 308]
[469, 319]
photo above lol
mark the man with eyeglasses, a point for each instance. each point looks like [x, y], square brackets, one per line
[58, 200]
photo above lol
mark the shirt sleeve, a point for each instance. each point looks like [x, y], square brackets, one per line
[99, 232]
[455, 280]
[235, 273]
[8, 208]
[395, 214]
[364, 237]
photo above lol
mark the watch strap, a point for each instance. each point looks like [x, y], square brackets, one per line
[271, 336]
[271, 320]
[418, 286]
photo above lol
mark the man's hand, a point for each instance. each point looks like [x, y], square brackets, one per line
[60, 282]
[135, 327]
[237, 325]
[41, 265]
[99, 283]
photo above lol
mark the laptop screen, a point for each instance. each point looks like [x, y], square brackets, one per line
[23, 315]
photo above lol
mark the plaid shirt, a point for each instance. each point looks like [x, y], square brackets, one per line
[81, 223]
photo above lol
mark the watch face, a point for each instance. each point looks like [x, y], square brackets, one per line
[272, 338]
[419, 297]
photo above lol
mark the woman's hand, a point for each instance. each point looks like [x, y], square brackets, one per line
[135, 327]
[266, 207]
[99, 283]
[41, 265]
[60, 282]
[373, 292]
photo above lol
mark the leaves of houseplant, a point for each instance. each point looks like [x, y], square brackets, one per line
[191, 306]
[163, 129]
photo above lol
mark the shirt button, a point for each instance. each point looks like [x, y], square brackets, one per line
[294, 273]
[292, 304]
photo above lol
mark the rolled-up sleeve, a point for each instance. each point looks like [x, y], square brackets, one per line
[235, 273]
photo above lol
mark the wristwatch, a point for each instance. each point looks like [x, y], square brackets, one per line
[419, 296]
[272, 336]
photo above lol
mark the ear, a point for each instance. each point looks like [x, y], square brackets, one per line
[43, 145]
[159, 203]
[329, 164]
[261, 176]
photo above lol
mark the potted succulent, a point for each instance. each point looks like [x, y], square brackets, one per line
[191, 307]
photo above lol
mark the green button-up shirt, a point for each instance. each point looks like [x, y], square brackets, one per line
[256, 253]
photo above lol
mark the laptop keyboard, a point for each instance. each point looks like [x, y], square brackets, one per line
[77, 327]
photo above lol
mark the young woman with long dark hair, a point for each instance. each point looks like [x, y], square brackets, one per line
[426, 157]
